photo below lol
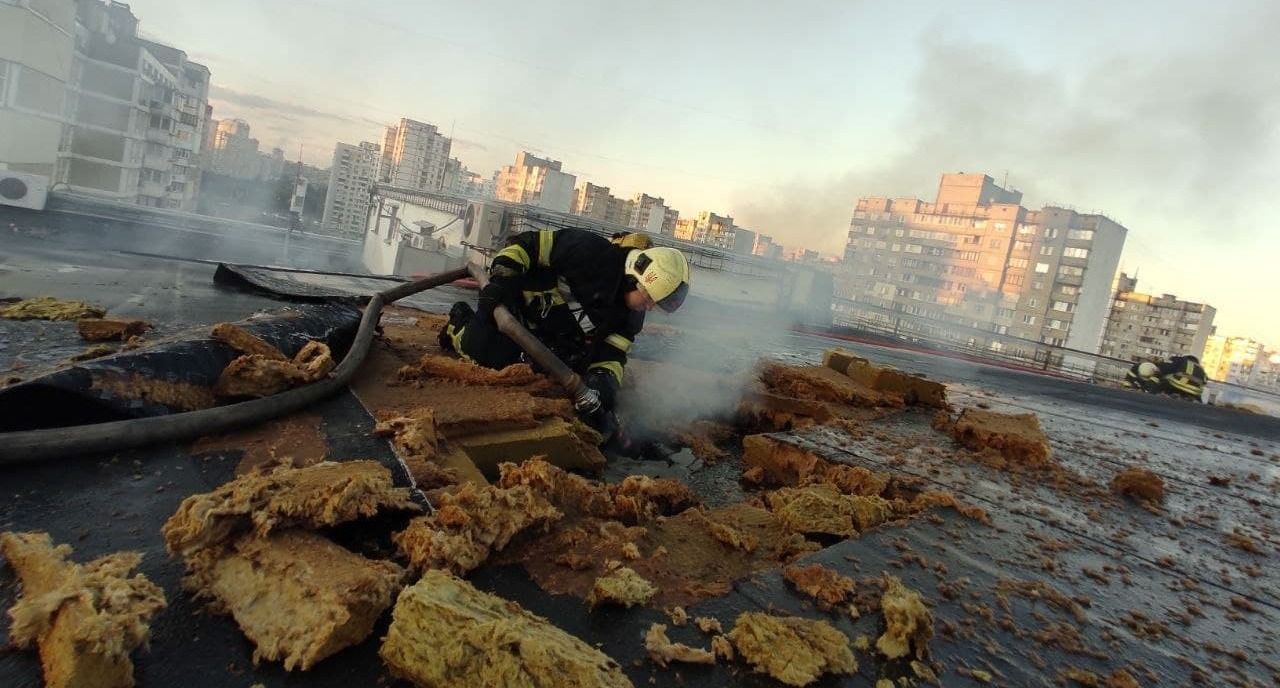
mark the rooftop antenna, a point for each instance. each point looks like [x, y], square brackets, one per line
[1005, 182]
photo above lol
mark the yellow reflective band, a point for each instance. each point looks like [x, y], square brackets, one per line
[517, 253]
[618, 342]
[1184, 385]
[611, 366]
[545, 239]
[1191, 368]
[456, 336]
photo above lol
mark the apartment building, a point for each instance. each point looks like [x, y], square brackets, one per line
[130, 113]
[1147, 327]
[743, 241]
[591, 200]
[353, 172]
[977, 267]
[536, 181]
[36, 46]
[712, 229]
[415, 155]
[1232, 359]
[648, 213]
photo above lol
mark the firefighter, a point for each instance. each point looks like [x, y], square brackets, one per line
[1144, 375]
[1184, 376]
[615, 281]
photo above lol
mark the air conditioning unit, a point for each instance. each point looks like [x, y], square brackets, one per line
[23, 190]
[484, 226]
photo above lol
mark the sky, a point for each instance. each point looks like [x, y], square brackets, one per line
[1165, 116]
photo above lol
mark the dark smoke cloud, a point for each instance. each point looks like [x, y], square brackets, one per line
[1186, 135]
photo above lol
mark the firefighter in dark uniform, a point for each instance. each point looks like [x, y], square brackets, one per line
[1179, 376]
[1183, 375]
[616, 282]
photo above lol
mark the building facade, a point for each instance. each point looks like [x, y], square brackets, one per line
[536, 181]
[415, 155]
[977, 267]
[346, 204]
[135, 113]
[591, 200]
[37, 41]
[1234, 359]
[713, 230]
[1143, 327]
[648, 213]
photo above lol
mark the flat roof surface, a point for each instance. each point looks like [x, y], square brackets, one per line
[1162, 594]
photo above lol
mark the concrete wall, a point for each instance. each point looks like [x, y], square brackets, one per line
[557, 191]
[1094, 304]
[35, 64]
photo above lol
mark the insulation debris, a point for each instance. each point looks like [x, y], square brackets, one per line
[708, 624]
[894, 383]
[444, 632]
[245, 342]
[622, 586]
[908, 622]
[633, 500]
[1139, 483]
[703, 437]
[662, 651]
[440, 367]
[254, 375]
[470, 523]
[822, 509]
[325, 494]
[722, 648]
[296, 595]
[179, 396]
[771, 461]
[774, 413]
[85, 619]
[49, 308]
[1017, 437]
[569, 445]
[100, 330]
[792, 650]
[820, 383]
[96, 351]
[825, 586]
[414, 434]
[315, 361]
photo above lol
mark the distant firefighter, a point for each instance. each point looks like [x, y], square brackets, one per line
[1181, 376]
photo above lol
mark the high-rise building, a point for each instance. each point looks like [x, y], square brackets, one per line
[37, 41]
[591, 200]
[346, 205]
[1147, 327]
[648, 213]
[1231, 359]
[742, 241]
[685, 228]
[536, 181]
[669, 220]
[975, 265]
[133, 110]
[415, 155]
[235, 151]
[712, 229]
[619, 211]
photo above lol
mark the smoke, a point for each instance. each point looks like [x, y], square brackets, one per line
[707, 354]
[1185, 136]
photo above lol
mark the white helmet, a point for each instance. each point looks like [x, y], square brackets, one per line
[663, 272]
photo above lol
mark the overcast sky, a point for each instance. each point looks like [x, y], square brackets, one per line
[1163, 115]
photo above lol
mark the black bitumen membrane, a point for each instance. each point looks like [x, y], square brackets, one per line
[1157, 564]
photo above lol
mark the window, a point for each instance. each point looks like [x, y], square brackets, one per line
[1071, 290]
[1064, 306]
[1046, 250]
[994, 243]
[1021, 246]
[1018, 263]
[1070, 271]
[1015, 280]
[1029, 319]
[1042, 268]
[1080, 234]
[913, 248]
[967, 255]
[899, 232]
[1050, 233]
[1027, 229]
[1006, 313]
[1075, 252]
[871, 230]
[1033, 302]
[1055, 324]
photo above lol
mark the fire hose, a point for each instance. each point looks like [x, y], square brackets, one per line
[35, 445]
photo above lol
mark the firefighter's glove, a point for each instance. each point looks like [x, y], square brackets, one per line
[605, 385]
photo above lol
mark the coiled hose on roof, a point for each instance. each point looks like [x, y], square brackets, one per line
[37, 445]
